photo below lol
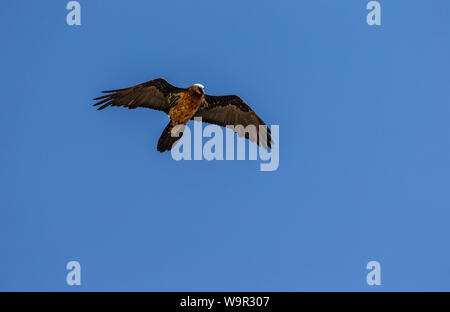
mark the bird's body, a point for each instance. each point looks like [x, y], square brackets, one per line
[183, 104]
[182, 111]
[186, 106]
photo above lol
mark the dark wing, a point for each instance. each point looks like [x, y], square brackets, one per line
[231, 110]
[156, 94]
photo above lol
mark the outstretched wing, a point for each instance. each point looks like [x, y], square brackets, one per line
[156, 94]
[231, 110]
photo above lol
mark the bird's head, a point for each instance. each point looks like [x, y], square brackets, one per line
[198, 89]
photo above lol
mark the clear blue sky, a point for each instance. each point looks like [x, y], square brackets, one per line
[364, 147]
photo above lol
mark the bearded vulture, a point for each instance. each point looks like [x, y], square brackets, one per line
[184, 104]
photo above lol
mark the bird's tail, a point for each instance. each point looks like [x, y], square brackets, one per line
[166, 140]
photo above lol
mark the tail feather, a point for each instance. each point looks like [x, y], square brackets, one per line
[167, 141]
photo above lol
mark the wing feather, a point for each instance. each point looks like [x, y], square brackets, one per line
[231, 110]
[154, 94]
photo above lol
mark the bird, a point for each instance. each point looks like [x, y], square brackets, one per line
[184, 104]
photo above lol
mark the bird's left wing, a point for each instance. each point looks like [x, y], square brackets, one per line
[231, 110]
[156, 94]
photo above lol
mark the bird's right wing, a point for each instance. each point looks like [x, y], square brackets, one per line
[156, 94]
[231, 110]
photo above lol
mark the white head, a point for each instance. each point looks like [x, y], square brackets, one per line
[199, 88]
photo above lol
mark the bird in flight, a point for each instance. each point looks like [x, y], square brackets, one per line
[184, 104]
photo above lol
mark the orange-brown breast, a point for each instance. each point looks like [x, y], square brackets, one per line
[186, 107]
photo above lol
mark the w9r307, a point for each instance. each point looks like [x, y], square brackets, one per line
[246, 301]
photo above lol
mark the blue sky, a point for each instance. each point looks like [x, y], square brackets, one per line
[364, 147]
